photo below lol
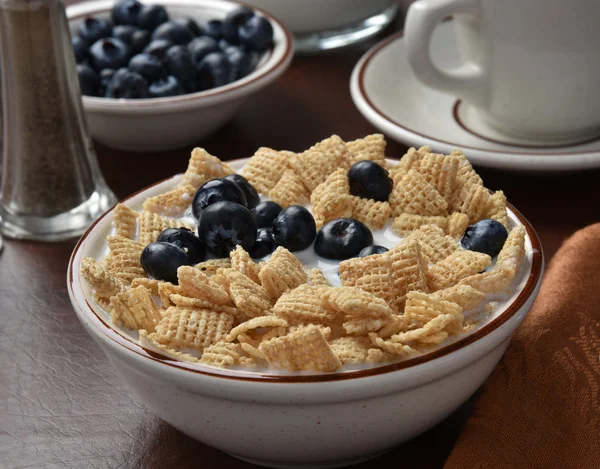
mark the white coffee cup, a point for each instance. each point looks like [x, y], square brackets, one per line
[531, 68]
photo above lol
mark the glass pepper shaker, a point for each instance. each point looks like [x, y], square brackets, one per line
[51, 187]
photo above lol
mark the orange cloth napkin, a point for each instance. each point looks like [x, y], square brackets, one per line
[540, 408]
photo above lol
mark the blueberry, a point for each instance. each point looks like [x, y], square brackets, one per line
[216, 190]
[159, 48]
[80, 48]
[161, 260]
[342, 238]
[487, 236]
[186, 240]
[139, 40]
[179, 64]
[370, 181]
[92, 29]
[165, 87]
[200, 47]
[89, 81]
[124, 32]
[225, 225]
[152, 16]
[374, 249]
[213, 29]
[127, 85]
[126, 12]
[294, 228]
[265, 213]
[214, 70]
[147, 65]
[105, 76]
[241, 62]
[264, 245]
[252, 197]
[256, 34]
[173, 32]
[189, 24]
[232, 23]
[109, 53]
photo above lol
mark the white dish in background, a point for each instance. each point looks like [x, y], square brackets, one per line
[387, 93]
[167, 123]
[302, 419]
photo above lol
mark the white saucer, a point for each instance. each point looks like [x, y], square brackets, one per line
[388, 94]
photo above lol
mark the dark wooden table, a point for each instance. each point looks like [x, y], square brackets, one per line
[61, 403]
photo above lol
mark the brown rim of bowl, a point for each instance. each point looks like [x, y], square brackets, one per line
[370, 55]
[143, 103]
[104, 328]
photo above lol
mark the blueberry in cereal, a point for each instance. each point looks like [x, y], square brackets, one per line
[486, 236]
[295, 228]
[126, 12]
[216, 190]
[161, 260]
[265, 213]
[265, 243]
[342, 238]
[370, 181]
[225, 225]
[252, 197]
[186, 240]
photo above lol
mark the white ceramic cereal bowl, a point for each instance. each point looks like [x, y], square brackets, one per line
[166, 123]
[301, 420]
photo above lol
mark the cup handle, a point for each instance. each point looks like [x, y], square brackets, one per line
[466, 81]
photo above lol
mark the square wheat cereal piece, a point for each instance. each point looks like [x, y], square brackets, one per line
[289, 190]
[253, 352]
[457, 224]
[466, 175]
[352, 269]
[351, 349]
[408, 222]
[316, 277]
[464, 295]
[222, 354]
[265, 168]
[355, 302]
[513, 252]
[325, 330]
[422, 308]
[494, 281]
[435, 245]
[123, 260]
[211, 266]
[361, 326]
[396, 174]
[203, 167]
[303, 350]
[125, 221]
[440, 171]
[475, 203]
[335, 146]
[242, 262]
[313, 167]
[195, 284]
[415, 195]
[100, 278]
[379, 284]
[371, 147]
[188, 328]
[305, 304]
[409, 271]
[135, 309]
[247, 295]
[256, 323]
[496, 208]
[432, 333]
[177, 299]
[413, 157]
[372, 213]
[331, 199]
[149, 283]
[397, 323]
[282, 272]
[147, 341]
[394, 348]
[172, 203]
[152, 224]
[165, 290]
[455, 267]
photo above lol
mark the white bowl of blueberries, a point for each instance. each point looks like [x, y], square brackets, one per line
[163, 74]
